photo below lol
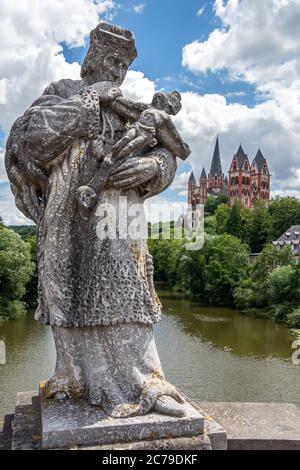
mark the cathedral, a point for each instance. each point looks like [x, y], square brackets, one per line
[245, 183]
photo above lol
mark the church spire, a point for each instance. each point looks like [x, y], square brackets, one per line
[192, 179]
[203, 174]
[216, 167]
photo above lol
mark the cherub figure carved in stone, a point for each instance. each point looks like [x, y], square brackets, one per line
[153, 122]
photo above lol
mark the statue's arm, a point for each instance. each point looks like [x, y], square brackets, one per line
[54, 123]
[169, 137]
[128, 109]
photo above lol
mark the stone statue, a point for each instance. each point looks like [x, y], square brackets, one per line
[97, 293]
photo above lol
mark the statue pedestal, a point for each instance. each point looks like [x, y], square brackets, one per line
[75, 424]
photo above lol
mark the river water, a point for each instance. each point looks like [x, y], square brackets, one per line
[212, 354]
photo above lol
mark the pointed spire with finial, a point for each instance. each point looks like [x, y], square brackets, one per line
[203, 174]
[192, 179]
[240, 154]
[259, 160]
[216, 167]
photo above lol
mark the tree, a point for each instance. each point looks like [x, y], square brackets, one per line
[15, 271]
[191, 273]
[273, 284]
[284, 211]
[210, 225]
[258, 227]
[227, 264]
[234, 224]
[222, 215]
[269, 259]
[31, 295]
[213, 202]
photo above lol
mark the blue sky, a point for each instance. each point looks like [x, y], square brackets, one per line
[235, 62]
[162, 29]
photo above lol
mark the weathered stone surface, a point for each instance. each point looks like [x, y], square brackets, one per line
[26, 423]
[257, 426]
[176, 443]
[215, 432]
[76, 423]
[6, 432]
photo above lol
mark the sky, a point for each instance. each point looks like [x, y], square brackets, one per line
[235, 62]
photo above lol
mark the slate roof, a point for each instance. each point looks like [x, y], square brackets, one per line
[240, 156]
[290, 237]
[203, 173]
[293, 235]
[259, 160]
[217, 192]
[216, 167]
[192, 178]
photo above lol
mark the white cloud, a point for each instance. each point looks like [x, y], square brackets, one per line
[138, 87]
[139, 8]
[31, 55]
[258, 42]
[180, 183]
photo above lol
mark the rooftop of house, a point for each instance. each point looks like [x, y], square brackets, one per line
[292, 234]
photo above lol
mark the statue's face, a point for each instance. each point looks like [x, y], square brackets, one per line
[116, 67]
[167, 102]
[111, 67]
[174, 106]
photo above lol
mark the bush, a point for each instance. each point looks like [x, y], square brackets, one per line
[293, 318]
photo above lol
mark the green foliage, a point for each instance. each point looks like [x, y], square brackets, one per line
[284, 211]
[164, 254]
[222, 215]
[234, 224]
[15, 271]
[213, 202]
[273, 284]
[25, 231]
[210, 225]
[257, 226]
[30, 297]
[227, 265]
[293, 318]
[191, 273]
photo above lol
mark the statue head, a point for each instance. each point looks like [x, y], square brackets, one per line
[112, 50]
[168, 102]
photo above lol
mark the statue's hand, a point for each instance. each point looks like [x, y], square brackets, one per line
[106, 91]
[134, 172]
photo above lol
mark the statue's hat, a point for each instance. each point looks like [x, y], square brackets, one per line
[107, 38]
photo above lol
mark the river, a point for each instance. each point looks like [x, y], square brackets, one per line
[212, 354]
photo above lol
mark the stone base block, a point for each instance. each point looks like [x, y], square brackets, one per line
[256, 426]
[76, 423]
[176, 443]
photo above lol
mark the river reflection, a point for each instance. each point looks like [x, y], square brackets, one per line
[213, 354]
[227, 329]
